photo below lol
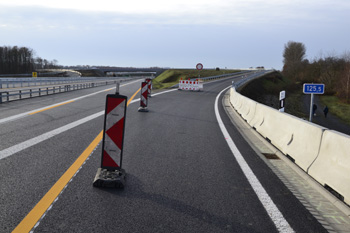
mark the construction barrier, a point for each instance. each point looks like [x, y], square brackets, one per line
[144, 97]
[149, 81]
[111, 173]
[190, 85]
[297, 138]
[332, 166]
[322, 153]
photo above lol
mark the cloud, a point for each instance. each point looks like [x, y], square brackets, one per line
[182, 31]
[252, 13]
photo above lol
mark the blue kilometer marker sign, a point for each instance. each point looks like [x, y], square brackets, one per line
[312, 88]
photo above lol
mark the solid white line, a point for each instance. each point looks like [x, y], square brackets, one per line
[159, 93]
[272, 210]
[15, 117]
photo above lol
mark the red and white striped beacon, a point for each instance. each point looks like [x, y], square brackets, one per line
[149, 81]
[144, 97]
[111, 174]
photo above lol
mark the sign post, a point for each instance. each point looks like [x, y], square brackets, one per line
[199, 67]
[313, 88]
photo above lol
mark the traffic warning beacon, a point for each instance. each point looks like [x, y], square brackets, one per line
[144, 97]
[111, 174]
[149, 81]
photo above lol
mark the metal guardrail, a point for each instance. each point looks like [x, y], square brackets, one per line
[28, 82]
[7, 96]
[250, 75]
[224, 75]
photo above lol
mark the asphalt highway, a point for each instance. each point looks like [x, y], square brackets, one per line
[182, 173]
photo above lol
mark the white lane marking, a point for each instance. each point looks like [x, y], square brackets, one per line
[15, 117]
[159, 93]
[33, 141]
[272, 210]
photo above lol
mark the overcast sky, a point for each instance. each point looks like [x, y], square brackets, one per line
[175, 33]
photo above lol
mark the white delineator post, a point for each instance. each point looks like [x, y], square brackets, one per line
[282, 101]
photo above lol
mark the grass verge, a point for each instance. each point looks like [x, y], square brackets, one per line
[266, 90]
[171, 77]
[338, 108]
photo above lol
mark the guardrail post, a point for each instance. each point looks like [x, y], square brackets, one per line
[8, 96]
[30, 91]
[20, 94]
[39, 91]
[47, 91]
[0, 97]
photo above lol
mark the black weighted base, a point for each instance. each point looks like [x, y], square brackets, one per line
[109, 179]
[143, 109]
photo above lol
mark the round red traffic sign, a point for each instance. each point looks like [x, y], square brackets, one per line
[199, 66]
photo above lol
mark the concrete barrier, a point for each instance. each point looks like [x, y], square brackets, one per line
[332, 166]
[258, 118]
[234, 98]
[248, 108]
[297, 138]
[293, 136]
[322, 153]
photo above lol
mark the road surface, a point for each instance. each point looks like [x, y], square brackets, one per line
[182, 173]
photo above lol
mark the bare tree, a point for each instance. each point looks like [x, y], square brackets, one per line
[16, 59]
[345, 78]
[293, 57]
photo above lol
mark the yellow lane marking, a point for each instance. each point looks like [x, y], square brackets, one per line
[35, 214]
[29, 221]
[133, 96]
[68, 102]
[41, 110]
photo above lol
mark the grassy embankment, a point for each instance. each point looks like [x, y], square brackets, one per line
[266, 91]
[171, 77]
[337, 107]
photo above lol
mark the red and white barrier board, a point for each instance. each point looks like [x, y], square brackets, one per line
[113, 136]
[190, 85]
[144, 97]
[149, 81]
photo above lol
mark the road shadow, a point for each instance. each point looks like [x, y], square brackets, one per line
[134, 190]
